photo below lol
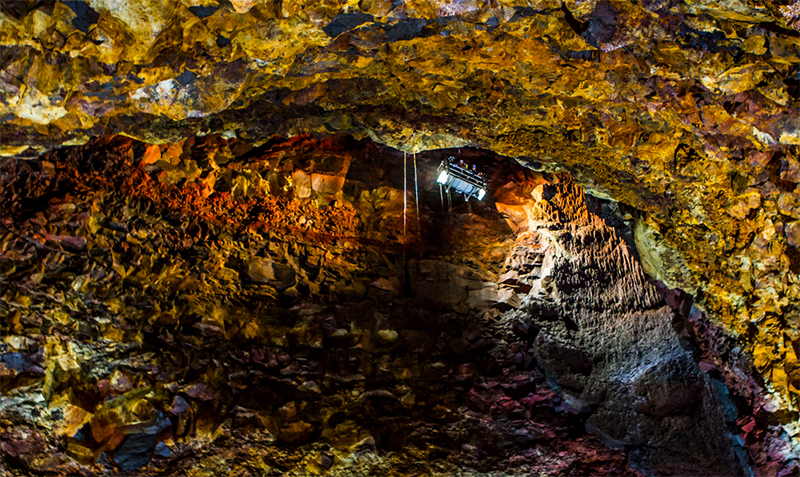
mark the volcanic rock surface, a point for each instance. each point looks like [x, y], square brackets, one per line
[684, 114]
[211, 307]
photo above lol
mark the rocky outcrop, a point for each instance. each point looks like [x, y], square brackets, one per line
[209, 306]
[605, 338]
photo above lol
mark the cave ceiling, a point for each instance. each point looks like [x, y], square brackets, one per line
[686, 113]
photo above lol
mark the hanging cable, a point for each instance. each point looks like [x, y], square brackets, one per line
[406, 277]
[405, 195]
[441, 198]
[416, 194]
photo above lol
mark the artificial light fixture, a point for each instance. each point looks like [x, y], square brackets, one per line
[442, 179]
[481, 193]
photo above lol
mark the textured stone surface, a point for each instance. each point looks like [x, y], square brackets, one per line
[605, 338]
[174, 323]
[686, 112]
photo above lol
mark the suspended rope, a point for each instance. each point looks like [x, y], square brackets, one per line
[406, 276]
[405, 195]
[441, 198]
[416, 194]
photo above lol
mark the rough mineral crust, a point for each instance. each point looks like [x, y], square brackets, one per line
[209, 307]
[686, 112]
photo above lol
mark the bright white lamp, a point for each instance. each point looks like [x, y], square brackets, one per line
[442, 179]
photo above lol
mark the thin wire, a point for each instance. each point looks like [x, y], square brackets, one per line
[405, 214]
[441, 198]
[416, 193]
[405, 194]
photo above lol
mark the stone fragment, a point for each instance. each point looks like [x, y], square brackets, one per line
[747, 202]
[792, 231]
[326, 184]
[301, 184]
[135, 451]
[311, 386]
[790, 169]
[151, 155]
[387, 336]
[74, 418]
[120, 382]
[243, 6]
[296, 432]
[789, 204]
[366, 444]
[260, 270]
[384, 284]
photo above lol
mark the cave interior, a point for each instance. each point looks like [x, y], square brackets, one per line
[227, 246]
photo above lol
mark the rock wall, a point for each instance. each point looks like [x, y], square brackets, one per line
[606, 340]
[685, 111]
[212, 307]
